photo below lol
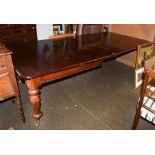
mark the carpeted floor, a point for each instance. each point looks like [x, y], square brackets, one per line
[100, 99]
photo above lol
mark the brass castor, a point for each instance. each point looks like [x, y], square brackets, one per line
[37, 122]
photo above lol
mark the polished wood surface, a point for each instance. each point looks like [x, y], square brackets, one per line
[17, 32]
[38, 62]
[8, 83]
[37, 58]
[83, 29]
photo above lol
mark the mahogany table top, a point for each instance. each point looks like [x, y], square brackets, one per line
[35, 58]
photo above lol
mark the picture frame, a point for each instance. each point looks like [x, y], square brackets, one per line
[139, 73]
[58, 29]
[144, 54]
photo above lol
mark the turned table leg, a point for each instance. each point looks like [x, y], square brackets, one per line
[35, 99]
[19, 104]
[34, 95]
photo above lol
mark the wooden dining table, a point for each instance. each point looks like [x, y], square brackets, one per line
[37, 62]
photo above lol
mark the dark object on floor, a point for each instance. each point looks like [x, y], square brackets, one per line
[8, 83]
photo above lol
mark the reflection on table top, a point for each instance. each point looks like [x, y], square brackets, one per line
[37, 58]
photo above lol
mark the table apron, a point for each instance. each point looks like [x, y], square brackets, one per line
[37, 82]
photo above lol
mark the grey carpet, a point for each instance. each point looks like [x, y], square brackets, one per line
[100, 99]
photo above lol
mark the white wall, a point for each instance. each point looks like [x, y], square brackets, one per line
[44, 31]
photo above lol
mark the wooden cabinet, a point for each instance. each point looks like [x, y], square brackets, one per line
[17, 32]
[8, 83]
